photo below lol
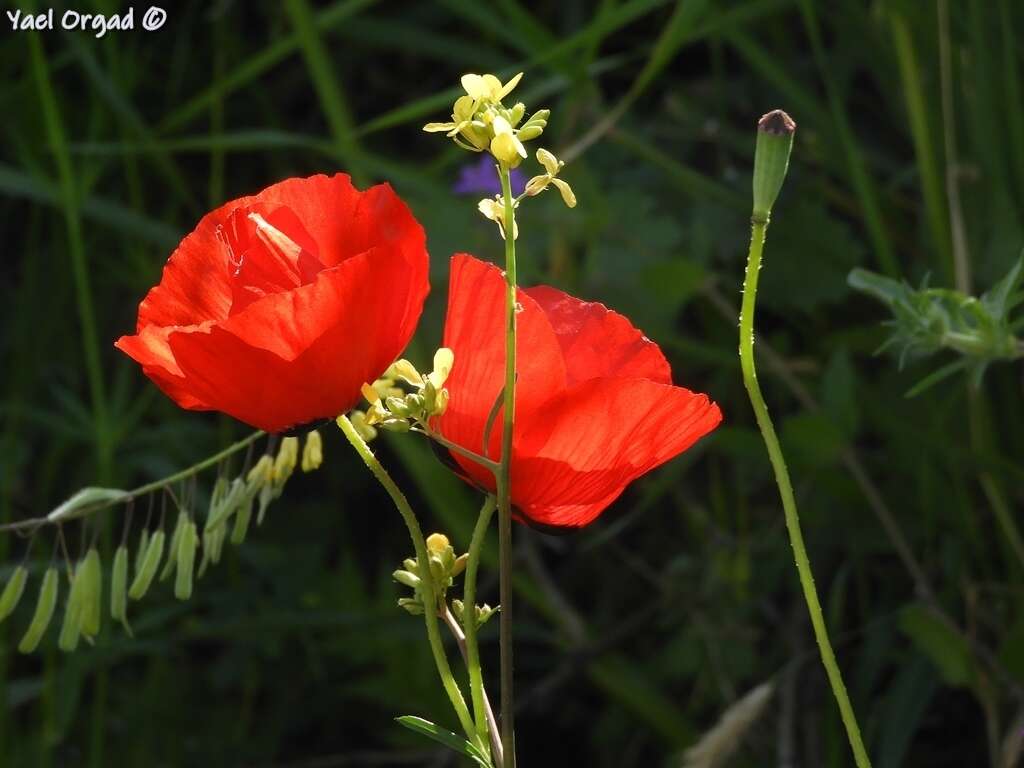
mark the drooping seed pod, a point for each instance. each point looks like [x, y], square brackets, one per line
[172, 552]
[44, 612]
[140, 553]
[144, 575]
[119, 588]
[186, 556]
[267, 494]
[13, 592]
[213, 545]
[226, 505]
[243, 518]
[92, 593]
[71, 628]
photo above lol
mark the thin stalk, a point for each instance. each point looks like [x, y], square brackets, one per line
[483, 461]
[71, 206]
[492, 721]
[142, 490]
[504, 478]
[426, 586]
[778, 461]
[476, 681]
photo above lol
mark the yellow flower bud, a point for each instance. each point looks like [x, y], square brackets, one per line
[287, 458]
[437, 543]
[516, 113]
[530, 132]
[362, 427]
[312, 452]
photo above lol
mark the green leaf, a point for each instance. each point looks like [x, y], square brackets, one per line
[441, 736]
[936, 376]
[943, 647]
[883, 288]
[86, 501]
[997, 298]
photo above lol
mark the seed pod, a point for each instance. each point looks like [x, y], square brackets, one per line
[71, 628]
[92, 593]
[312, 452]
[144, 575]
[213, 545]
[140, 553]
[186, 556]
[242, 519]
[172, 553]
[44, 612]
[119, 588]
[267, 494]
[13, 592]
[227, 504]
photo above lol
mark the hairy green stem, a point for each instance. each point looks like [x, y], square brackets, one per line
[492, 722]
[504, 477]
[803, 564]
[142, 490]
[426, 586]
[476, 681]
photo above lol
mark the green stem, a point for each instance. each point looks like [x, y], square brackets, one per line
[778, 461]
[476, 681]
[426, 587]
[504, 477]
[476, 457]
[142, 490]
[492, 724]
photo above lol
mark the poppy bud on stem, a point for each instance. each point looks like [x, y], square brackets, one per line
[771, 159]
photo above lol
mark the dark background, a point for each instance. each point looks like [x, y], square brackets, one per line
[635, 635]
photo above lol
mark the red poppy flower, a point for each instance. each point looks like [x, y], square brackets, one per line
[277, 307]
[595, 405]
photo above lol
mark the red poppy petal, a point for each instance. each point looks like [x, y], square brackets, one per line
[150, 349]
[587, 444]
[339, 219]
[597, 342]
[474, 331]
[303, 354]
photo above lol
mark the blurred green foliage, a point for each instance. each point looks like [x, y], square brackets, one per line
[635, 635]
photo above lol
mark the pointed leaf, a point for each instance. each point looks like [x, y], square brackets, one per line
[441, 736]
[85, 501]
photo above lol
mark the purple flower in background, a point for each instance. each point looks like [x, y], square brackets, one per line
[481, 177]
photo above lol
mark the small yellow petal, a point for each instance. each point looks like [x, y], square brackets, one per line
[567, 194]
[463, 108]
[489, 208]
[403, 369]
[537, 184]
[438, 127]
[370, 393]
[444, 359]
[501, 126]
[493, 87]
[508, 149]
[548, 160]
[474, 86]
[509, 86]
